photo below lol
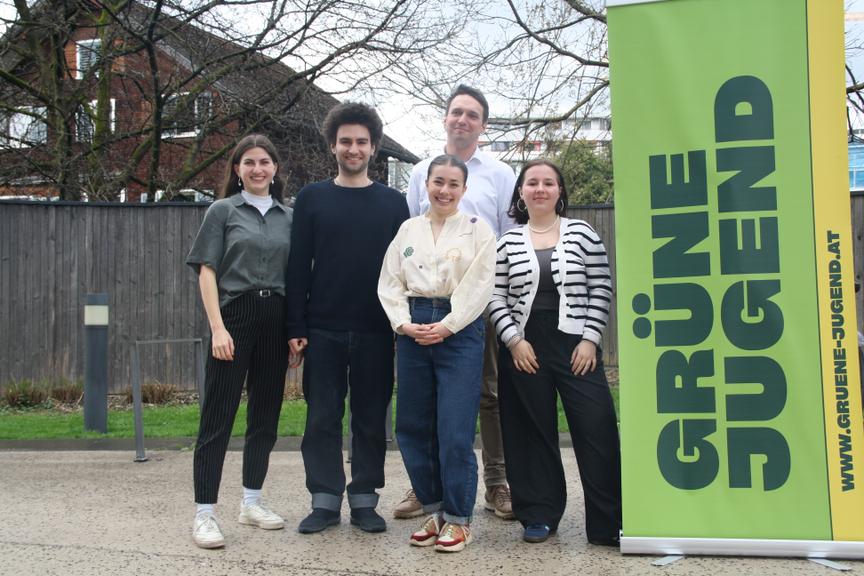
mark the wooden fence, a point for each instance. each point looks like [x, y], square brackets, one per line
[53, 254]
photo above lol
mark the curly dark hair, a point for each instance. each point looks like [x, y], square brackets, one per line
[231, 184]
[521, 216]
[353, 113]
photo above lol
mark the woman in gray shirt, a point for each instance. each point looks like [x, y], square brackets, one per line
[241, 256]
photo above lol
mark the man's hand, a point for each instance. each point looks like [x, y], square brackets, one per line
[296, 346]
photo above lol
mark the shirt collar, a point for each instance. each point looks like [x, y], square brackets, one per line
[452, 217]
[237, 200]
[477, 156]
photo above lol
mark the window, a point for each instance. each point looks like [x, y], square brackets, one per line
[25, 128]
[184, 117]
[86, 57]
[499, 146]
[85, 121]
[600, 124]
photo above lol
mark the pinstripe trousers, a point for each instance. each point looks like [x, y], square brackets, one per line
[257, 325]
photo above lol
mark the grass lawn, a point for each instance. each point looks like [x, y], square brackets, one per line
[159, 422]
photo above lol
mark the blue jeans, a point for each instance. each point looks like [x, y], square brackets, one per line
[335, 360]
[438, 396]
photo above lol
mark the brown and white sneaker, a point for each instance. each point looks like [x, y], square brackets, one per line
[428, 533]
[409, 507]
[498, 501]
[453, 537]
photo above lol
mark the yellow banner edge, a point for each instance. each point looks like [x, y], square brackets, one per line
[832, 213]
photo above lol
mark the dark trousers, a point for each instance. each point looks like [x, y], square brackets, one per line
[529, 422]
[257, 326]
[333, 361]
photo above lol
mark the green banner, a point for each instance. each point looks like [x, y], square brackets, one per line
[723, 429]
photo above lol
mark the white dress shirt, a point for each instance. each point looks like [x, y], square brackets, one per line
[490, 188]
[459, 266]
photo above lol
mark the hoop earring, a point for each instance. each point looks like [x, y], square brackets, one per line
[561, 201]
[523, 207]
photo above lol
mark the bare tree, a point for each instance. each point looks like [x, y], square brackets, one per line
[545, 62]
[542, 63]
[225, 66]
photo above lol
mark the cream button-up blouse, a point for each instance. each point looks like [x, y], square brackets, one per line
[459, 266]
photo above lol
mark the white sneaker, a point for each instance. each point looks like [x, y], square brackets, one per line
[206, 532]
[258, 515]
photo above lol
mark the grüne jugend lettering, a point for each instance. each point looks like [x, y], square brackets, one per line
[751, 320]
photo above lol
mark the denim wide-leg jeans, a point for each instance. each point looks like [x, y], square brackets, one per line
[438, 397]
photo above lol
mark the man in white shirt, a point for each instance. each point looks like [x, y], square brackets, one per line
[490, 187]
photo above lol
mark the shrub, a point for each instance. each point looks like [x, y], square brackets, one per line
[66, 391]
[24, 394]
[154, 393]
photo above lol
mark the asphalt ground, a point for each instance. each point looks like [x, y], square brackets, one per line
[96, 512]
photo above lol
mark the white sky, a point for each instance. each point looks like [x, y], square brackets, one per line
[425, 135]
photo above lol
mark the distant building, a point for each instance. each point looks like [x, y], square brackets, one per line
[856, 166]
[518, 144]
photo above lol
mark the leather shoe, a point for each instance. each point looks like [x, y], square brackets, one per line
[318, 520]
[368, 520]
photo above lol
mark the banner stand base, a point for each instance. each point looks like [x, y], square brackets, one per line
[743, 547]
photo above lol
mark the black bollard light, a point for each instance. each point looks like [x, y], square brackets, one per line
[96, 363]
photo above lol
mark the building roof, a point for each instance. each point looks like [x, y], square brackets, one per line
[298, 103]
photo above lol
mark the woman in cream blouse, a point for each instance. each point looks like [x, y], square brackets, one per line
[436, 280]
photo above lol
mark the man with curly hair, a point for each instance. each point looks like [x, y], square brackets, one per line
[342, 229]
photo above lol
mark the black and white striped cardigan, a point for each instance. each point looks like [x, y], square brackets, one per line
[580, 271]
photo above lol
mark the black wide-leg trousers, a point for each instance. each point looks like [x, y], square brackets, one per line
[257, 325]
[529, 423]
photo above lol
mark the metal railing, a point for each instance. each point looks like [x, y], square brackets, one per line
[137, 406]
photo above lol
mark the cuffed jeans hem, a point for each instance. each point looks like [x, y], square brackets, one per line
[327, 501]
[456, 519]
[431, 508]
[363, 500]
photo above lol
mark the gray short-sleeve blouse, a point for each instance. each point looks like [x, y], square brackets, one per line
[248, 251]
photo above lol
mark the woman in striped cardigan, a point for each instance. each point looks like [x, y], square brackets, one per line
[549, 307]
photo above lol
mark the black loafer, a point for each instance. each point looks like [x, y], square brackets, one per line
[368, 520]
[318, 520]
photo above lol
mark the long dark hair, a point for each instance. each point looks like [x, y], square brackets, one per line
[231, 185]
[521, 216]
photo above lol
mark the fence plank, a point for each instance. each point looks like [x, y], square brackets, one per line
[53, 254]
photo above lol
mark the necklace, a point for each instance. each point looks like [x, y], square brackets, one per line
[547, 229]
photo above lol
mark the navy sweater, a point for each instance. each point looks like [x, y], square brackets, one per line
[338, 243]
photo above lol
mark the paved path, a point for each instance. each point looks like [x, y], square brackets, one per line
[77, 513]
